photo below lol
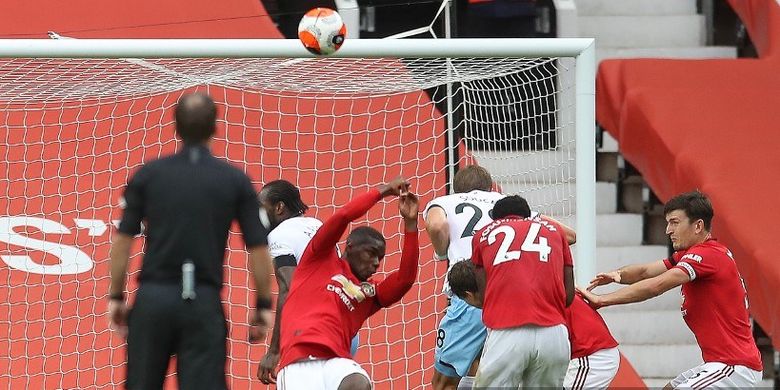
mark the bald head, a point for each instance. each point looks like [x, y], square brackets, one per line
[196, 118]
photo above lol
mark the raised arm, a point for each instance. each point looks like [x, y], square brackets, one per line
[438, 230]
[629, 274]
[568, 232]
[393, 288]
[332, 229]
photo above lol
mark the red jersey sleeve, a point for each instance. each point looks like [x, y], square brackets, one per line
[329, 234]
[398, 283]
[698, 263]
[672, 260]
[476, 251]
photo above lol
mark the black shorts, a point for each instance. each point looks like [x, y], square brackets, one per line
[161, 324]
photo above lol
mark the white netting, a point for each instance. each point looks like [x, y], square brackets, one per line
[72, 131]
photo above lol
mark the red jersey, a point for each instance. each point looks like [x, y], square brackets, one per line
[523, 261]
[715, 305]
[327, 304]
[588, 332]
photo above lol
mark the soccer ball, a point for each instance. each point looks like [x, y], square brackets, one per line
[322, 31]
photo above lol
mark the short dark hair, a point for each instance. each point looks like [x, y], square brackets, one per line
[196, 118]
[363, 234]
[470, 178]
[283, 191]
[695, 204]
[511, 205]
[462, 278]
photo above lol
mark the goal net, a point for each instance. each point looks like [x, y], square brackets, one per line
[72, 131]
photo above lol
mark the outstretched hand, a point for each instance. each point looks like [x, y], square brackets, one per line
[397, 187]
[593, 300]
[604, 278]
[409, 206]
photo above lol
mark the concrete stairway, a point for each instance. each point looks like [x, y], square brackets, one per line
[647, 29]
[652, 334]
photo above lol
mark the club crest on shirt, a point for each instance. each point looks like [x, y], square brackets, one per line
[368, 289]
[348, 291]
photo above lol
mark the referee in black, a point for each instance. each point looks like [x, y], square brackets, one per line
[187, 202]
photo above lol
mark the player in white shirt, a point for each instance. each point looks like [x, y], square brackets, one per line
[450, 222]
[290, 233]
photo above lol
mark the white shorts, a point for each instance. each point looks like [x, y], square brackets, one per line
[530, 356]
[317, 374]
[717, 376]
[594, 371]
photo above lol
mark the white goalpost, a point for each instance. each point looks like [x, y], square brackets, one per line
[78, 117]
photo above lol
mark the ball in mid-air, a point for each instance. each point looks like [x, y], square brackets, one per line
[322, 31]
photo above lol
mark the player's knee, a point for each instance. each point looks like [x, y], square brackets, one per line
[355, 382]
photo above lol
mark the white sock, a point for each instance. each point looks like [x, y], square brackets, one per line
[466, 383]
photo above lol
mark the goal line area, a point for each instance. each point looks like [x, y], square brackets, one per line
[74, 126]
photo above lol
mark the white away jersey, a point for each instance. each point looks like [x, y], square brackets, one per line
[466, 213]
[292, 236]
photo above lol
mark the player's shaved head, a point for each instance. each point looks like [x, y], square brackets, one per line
[196, 118]
[365, 235]
[472, 177]
[365, 250]
[511, 205]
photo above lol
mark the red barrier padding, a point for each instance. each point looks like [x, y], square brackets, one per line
[709, 125]
[762, 19]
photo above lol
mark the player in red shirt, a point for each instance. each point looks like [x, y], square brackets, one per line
[331, 297]
[594, 355]
[595, 358]
[714, 297]
[525, 267]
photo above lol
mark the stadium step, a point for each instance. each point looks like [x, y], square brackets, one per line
[644, 327]
[553, 199]
[635, 7]
[618, 230]
[608, 143]
[613, 230]
[669, 300]
[653, 334]
[697, 52]
[644, 31]
[609, 258]
[661, 361]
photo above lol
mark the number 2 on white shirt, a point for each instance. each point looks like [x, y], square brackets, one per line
[529, 244]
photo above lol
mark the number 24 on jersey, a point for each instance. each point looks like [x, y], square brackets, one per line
[531, 243]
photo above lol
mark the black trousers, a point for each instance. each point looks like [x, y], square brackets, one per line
[161, 324]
